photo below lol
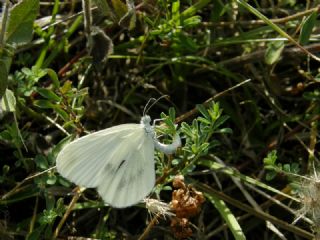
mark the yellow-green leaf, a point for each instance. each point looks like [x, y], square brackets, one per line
[8, 101]
[273, 52]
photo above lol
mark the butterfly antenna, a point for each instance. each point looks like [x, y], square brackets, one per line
[146, 108]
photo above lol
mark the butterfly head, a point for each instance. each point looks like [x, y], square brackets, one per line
[145, 120]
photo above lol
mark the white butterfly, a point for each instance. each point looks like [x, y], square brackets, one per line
[118, 161]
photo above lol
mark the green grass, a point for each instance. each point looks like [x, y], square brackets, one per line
[241, 79]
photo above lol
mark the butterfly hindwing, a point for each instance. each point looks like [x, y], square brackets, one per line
[131, 179]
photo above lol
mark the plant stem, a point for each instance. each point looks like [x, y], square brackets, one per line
[275, 27]
[4, 21]
[87, 19]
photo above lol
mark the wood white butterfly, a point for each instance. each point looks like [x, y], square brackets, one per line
[118, 161]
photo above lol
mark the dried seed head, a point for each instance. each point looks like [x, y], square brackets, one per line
[310, 198]
[178, 182]
[186, 203]
[158, 208]
[181, 228]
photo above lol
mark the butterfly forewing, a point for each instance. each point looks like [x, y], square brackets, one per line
[83, 160]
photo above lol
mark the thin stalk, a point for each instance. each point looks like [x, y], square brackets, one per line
[275, 27]
[87, 19]
[67, 213]
[4, 22]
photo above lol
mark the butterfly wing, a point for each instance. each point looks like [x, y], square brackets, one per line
[128, 182]
[82, 160]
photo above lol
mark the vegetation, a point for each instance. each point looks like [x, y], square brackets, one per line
[241, 79]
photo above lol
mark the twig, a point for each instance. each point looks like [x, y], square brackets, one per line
[261, 22]
[34, 216]
[67, 213]
[13, 190]
[276, 28]
[148, 228]
[208, 101]
[87, 20]
[259, 214]
[257, 55]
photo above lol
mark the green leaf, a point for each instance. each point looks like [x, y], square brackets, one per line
[66, 87]
[271, 175]
[192, 21]
[203, 149]
[317, 77]
[225, 130]
[287, 167]
[227, 215]
[49, 94]
[218, 10]
[57, 148]
[128, 20]
[64, 115]
[20, 25]
[51, 179]
[48, 217]
[273, 52]
[176, 12]
[3, 78]
[6, 55]
[231, 172]
[36, 233]
[204, 120]
[104, 8]
[271, 158]
[41, 161]
[120, 9]
[43, 104]
[54, 77]
[295, 168]
[312, 96]
[307, 27]
[172, 113]
[5, 135]
[203, 111]
[221, 120]
[34, 74]
[8, 101]
[186, 129]
[168, 120]
[191, 11]
[183, 42]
